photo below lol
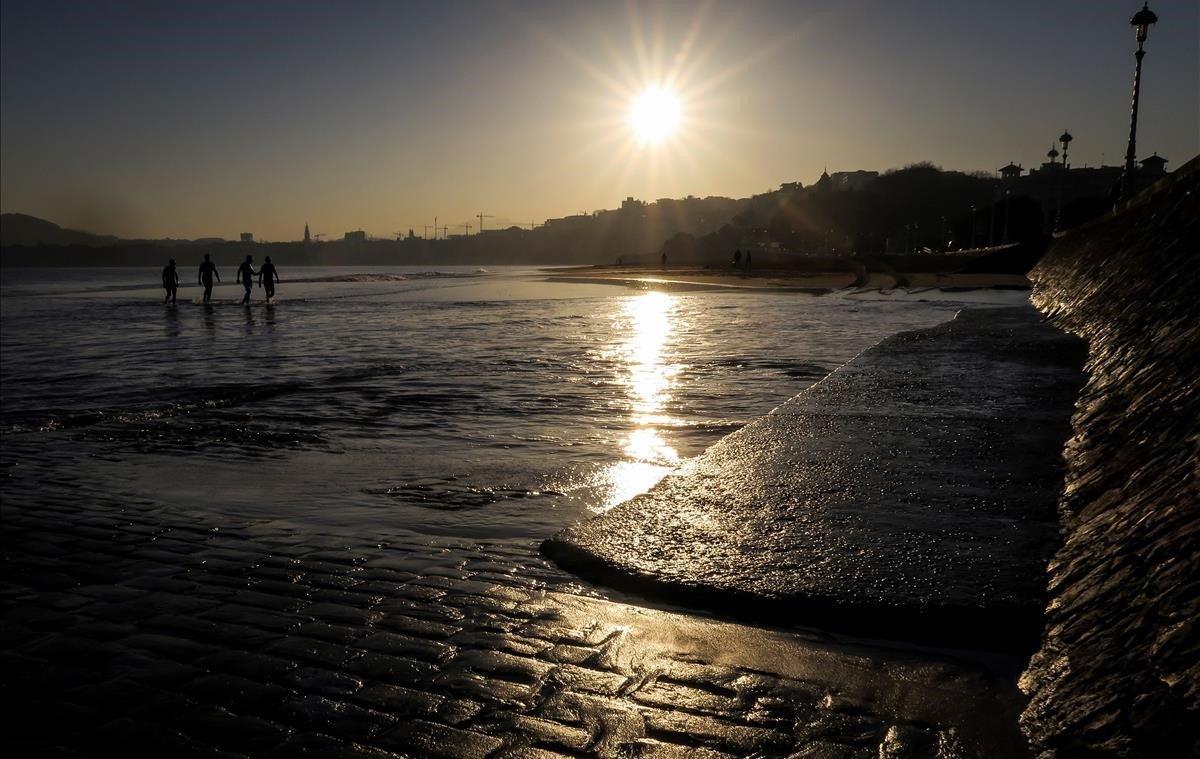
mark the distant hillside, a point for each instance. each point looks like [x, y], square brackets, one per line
[22, 229]
[919, 208]
[636, 229]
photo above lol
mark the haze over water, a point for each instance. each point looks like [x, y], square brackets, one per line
[460, 402]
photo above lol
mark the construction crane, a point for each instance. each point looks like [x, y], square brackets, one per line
[466, 225]
[445, 229]
[318, 237]
[425, 234]
[481, 216]
[399, 235]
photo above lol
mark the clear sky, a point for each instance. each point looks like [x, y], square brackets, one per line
[193, 119]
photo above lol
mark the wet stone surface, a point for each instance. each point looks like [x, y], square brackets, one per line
[130, 628]
[909, 494]
[1118, 672]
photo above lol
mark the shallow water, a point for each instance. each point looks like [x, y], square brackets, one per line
[458, 401]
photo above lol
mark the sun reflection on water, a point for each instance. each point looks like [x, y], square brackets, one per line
[648, 321]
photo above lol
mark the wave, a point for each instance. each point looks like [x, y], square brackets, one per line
[387, 276]
[193, 400]
[448, 495]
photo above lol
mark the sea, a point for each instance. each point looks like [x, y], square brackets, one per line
[444, 401]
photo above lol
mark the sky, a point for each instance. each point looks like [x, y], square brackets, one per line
[207, 119]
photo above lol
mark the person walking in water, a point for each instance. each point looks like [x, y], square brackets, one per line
[267, 277]
[170, 280]
[245, 275]
[207, 271]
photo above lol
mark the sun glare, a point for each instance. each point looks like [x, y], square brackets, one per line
[655, 114]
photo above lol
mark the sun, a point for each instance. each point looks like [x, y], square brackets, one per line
[655, 114]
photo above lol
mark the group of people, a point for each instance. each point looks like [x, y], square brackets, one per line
[267, 277]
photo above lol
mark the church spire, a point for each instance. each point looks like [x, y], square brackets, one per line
[307, 236]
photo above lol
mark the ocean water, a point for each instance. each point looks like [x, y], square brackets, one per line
[461, 401]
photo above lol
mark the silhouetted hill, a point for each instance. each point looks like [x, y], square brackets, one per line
[23, 229]
[636, 229]
[917, 209]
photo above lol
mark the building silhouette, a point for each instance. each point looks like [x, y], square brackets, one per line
[1071, 195]
[1010, 172]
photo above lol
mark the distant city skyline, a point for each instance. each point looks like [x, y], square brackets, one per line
[211, 119]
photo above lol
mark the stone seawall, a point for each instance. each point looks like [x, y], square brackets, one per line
[910, 495]
[1118, 672]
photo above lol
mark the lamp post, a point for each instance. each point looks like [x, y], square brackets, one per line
[1141, 22]
[1007, 207]
[1052, 154]
[1065, 138]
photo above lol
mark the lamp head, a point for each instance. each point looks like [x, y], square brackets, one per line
[1141, 22]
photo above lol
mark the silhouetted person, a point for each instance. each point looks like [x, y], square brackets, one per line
[207, 271]
[747, 262]
[170, 280]
[245, 275]
[664, 259]
[737, 258]
[267, 277]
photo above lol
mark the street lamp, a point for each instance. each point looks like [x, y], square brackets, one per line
[1007, 207]
[1065, 138]
[1052, 153]
[1141, 22]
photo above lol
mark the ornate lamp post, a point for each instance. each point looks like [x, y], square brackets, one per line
[1141, 22]
[1007, 207]
[1065, 138]
[1047, 225]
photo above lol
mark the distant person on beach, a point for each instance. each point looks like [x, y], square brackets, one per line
[737, 258]
[664, 259]
[170, 280]
[747, 262]
[245, 275]
[267, 277]
[207, 271]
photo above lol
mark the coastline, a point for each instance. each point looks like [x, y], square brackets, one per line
[780, 280]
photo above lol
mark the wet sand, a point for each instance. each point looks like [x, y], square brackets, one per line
[135, 627]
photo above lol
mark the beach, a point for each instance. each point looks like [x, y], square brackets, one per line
[295, 527]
